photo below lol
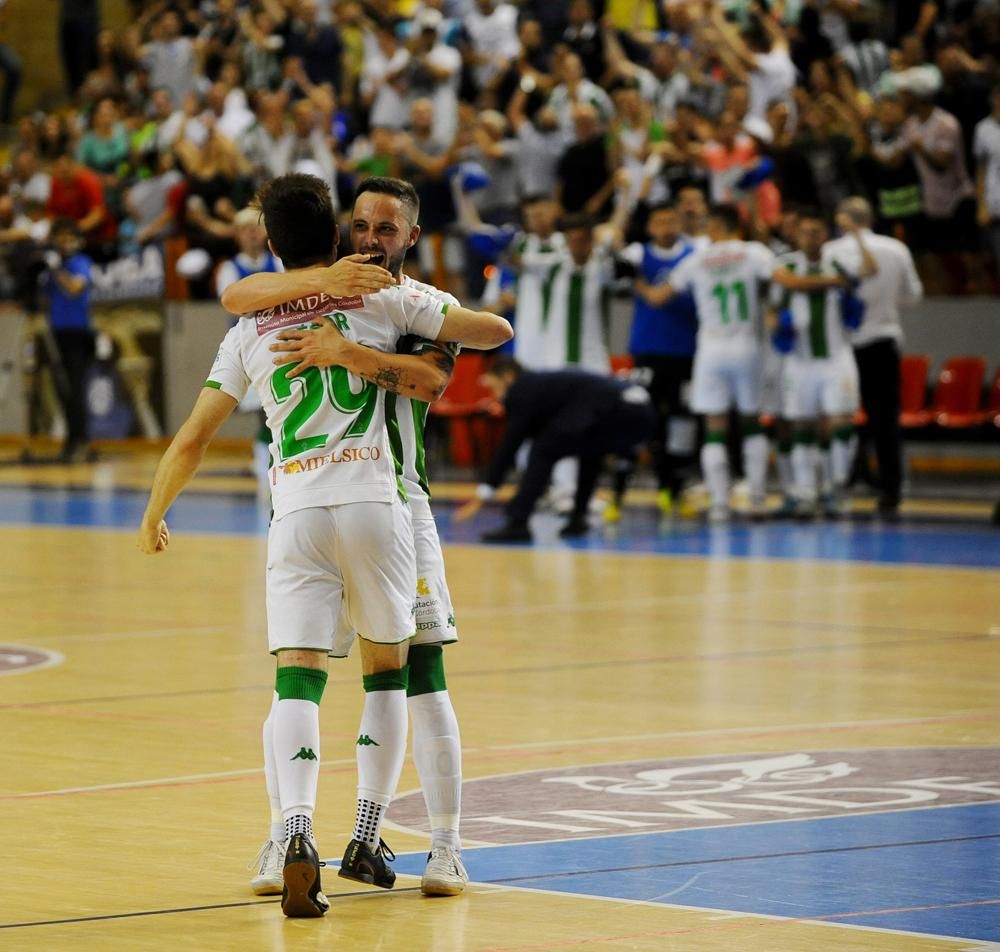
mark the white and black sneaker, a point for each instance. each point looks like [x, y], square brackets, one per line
[444, 874]
[269, 880]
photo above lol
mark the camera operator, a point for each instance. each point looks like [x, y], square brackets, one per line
[68, 281]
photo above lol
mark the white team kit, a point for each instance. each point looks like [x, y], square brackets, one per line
[573, 317]
[434, 615]
[820, 377]
[536, 255]
[726, 279]
[341, 537]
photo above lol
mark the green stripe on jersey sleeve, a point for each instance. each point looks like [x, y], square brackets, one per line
[213, 384]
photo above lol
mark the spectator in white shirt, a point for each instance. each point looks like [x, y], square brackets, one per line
[986, 148]
[492, 29]
[877, 343]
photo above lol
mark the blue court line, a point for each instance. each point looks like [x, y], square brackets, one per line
[917, 544]
[933, 871]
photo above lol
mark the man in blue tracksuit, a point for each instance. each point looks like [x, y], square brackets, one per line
[662, 344]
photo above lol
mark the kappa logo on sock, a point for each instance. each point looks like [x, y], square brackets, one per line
[365, 741]
[306, 753]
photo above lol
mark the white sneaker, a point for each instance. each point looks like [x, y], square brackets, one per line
[270, 863]
[444, 874]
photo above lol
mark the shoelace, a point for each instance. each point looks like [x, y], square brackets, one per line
[383, 848]
[258, 861]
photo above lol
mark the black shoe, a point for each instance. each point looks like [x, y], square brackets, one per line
[888, 509]
[364, 866]
[302, 896]
[574, 529]
[508, 532]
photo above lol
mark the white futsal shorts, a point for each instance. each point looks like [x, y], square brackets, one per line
[357, 558]
[821, 388]
[434, 616]
[726, 374]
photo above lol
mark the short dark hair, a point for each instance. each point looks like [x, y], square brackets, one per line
[64, 226]
[729, 216]
[661, 207]
[397, 188]
[574, 220]
[299, 217]
[504, 364]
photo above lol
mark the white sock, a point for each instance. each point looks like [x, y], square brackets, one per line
[715, 469]
[804, 464]
[826, 480]
[755, 451]
[841, 458]
[381, 749]
[271, 775]
[437, 753]
[296, 753]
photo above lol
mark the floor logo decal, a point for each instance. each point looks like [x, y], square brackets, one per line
[16, 659]
[691, 793]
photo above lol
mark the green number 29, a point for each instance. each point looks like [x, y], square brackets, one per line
[723, 291]
[314, 386]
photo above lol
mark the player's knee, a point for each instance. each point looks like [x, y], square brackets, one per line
[377, 658]
[426, 670]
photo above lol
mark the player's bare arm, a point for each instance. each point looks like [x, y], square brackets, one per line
[179, 464]
[348, 277]
[419, 376]
[477, 330]
[800, 282]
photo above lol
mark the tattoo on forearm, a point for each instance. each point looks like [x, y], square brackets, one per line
[391, 379]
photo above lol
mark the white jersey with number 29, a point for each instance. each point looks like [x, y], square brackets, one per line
[328, 434]
[726, 279]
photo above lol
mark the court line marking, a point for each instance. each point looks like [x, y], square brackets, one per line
[985, 531]
[737, 920]
[182, 909]
[722, 732]
[752, 858]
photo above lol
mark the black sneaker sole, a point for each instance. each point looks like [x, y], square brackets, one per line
[367, 878]
[297, 900]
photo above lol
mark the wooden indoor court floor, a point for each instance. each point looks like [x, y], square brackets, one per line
[662, 751]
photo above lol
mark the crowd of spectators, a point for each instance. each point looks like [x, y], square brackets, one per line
[171, 124]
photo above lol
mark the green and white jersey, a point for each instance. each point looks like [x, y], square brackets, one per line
[328, 435]
[576, 311]
[816, 315]
[406, 418]
[536, 255]
[726, 278]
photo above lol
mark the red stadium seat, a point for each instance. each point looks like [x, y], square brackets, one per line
[913, 372]
[958, 395]
[474, 417]
[992, 412]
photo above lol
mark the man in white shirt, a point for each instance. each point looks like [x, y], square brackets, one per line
[877, 341]
[340, 539]
[986, 148]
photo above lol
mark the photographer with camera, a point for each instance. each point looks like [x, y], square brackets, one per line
[67, 279]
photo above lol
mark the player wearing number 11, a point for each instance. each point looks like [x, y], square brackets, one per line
[341, 536]
[727, 279]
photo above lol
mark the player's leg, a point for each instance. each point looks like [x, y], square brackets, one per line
[378, 562]
[304, 595]
[268, 879]
[710, 397]
[840, 402]
[747, 384]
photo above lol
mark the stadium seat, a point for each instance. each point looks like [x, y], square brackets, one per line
[473, 414]
[992, 412]
[913, 371]
[959, 391]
